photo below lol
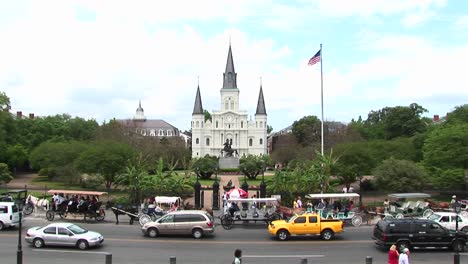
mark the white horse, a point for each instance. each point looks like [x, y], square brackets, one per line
[36, 203]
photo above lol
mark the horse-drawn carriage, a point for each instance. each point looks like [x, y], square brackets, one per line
[154, 210]
[250, 209]
[336, 206]
[408, 205]
[79, 203]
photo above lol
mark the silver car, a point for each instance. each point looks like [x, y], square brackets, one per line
[63, 234]
[185, 222]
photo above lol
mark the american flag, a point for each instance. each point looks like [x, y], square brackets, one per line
[315, 58]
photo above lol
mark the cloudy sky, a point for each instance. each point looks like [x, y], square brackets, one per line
[97, 59]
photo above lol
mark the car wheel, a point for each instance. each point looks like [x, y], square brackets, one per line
[282, 235]
[197, 233]
[458, 246]
[82, 244]
[38, 243]
[1, 225]
[153, 232]
[400, 216]
[327, 234]
[465, 229]
[401, 245]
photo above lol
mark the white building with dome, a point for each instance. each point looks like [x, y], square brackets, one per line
[230, 123]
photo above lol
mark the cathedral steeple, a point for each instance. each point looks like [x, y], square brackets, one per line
[198, 107]
[230, 75]
[261, 103]
[139, 114]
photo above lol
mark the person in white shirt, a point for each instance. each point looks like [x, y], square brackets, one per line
[299, 202]
[403, 258]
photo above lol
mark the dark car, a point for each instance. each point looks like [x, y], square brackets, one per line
[409, 233]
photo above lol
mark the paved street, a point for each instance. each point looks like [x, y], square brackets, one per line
[127, 245]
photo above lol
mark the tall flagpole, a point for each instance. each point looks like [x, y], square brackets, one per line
[321, 92]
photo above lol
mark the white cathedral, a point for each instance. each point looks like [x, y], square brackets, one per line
[230, 124]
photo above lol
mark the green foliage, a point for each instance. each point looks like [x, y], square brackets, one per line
[355, 161]
[107, 158]
[447, 179]
[400, 176]
[307, 130]
[52, 157]
[5, 174]
[205, 167]
[4, 102]
[229, 170]
[16, 156]
[207, 115]
[393, 122]
[458, 116]
[446, 147]
[251, 166]
[269, 129]
[92, 182]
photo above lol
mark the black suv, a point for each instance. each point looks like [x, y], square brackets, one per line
[408, 233]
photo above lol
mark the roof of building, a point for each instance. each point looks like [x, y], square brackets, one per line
[198, 107]
[146, 123]
[230, 76]
[261, 104]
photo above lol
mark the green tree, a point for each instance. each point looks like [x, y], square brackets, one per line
[107, 158]
[393, 122]
[17, 156]
[56, 159]
[269, 129]
[5, 174]
[4, 102]
[447, 147]
[459, 115]
[307, 130]
[205, 167]
[355, 161]
[324, 164]
[400, 176]
[207, 115]
[251, 166]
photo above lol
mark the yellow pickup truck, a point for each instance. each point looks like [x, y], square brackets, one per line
[305, 224]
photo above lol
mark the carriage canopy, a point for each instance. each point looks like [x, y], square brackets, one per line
[331, 195]
[167, 199]
[77, 192]
[409, 195]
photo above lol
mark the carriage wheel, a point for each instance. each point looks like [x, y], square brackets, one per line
[227, 221]
[399, 216]
[464, 214]
[356, 220]
[388, 216]
[101, 215]
[28, 209]
[427, 213]
[273, 217]
[50, 215]
[144, 218]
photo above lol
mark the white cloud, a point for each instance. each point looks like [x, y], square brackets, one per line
[461, 23]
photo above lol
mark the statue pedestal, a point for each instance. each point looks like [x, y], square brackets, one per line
[228, 162]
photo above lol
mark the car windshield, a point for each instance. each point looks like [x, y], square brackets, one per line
[434, 217]
[77, 229]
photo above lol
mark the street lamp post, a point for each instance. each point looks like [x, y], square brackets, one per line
[456, 207]
[19, 252]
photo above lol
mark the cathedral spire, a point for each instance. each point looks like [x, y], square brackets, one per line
[261, 103]
[198, 107]
[230, 75]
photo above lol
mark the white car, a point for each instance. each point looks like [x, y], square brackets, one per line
[9, 215]
[447, 220]
[63, 234]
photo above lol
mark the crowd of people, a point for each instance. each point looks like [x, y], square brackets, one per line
[73, 203]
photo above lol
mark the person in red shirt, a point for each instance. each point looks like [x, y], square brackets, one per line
[393, 255]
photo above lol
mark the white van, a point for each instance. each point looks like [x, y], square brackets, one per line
[9, 215]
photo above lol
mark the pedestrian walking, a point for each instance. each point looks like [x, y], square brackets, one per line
[237, 256]
[404, 257]
[393, 255]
